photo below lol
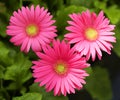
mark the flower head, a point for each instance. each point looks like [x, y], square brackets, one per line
[60, 69]
[90, 34]
[31, 28]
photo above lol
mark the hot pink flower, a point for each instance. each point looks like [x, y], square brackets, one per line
[60, 69]
[31, 28]
[90, 34]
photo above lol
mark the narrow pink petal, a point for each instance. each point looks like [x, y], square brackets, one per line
[32, 12]
[58, 85]
[106, 33]
[24, 14]
[41, 68]
[17, 38]
[24, 44]
[80, 46]
[67, 86]
[15, 21]
[88, 55]
[108, 38]
[75, 40]
[47, 79]
[106, 44]
[53, 82]
[93, 52]
[73, 24]
[75, 80]
[99, 19]
[18, 19]
[63, 91]
[35, 45]
[42, 74]
[97, 48]
[45, 57]
[77, 70]
[37, 12]
[87, 48]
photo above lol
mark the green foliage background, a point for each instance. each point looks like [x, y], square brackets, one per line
[16, 82]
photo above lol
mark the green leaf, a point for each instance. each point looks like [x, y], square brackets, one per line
[19, 72]
[23, 90]
[2, 69]
[29, 96]
[112, 11]
[3, 20]
[2, 29]
[117, 47]
[54, 6]
[45, 95]
[117, 44]
[2, 7]
[89, 70]
[35, 88]
[81, 2]
[62, 17]
[13, 86]
[113, 14]
[100, 5]
[98, 84]
[4, 94]
[5, 59]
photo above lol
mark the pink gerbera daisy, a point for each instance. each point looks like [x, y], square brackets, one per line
[90, 34]
[60, 69]
[31, 28]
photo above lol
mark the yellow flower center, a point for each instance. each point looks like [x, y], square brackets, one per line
[32, 30]
[91, 34]
[60, 68]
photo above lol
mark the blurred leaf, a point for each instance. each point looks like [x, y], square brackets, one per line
[4, 55]
[2, 28]
[62, 17]
[19, 71]
[12, 5]
[1, 98]
[81, 2]
[29, 96]
[117, 44]
[112, 11]
[45, 95]
[1, 71]
[89, 70]
[98, 84]
[23, 90]
[55, 5]
[35, 88]
[117, 47]
[4, 94]
[3, 19]
[2, 7]
[13, 86]
[113, 14]
[100, 5]
[37, 2]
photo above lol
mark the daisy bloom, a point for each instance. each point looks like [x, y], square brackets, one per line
[60, 69]
[31, 28]
[90, 34]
